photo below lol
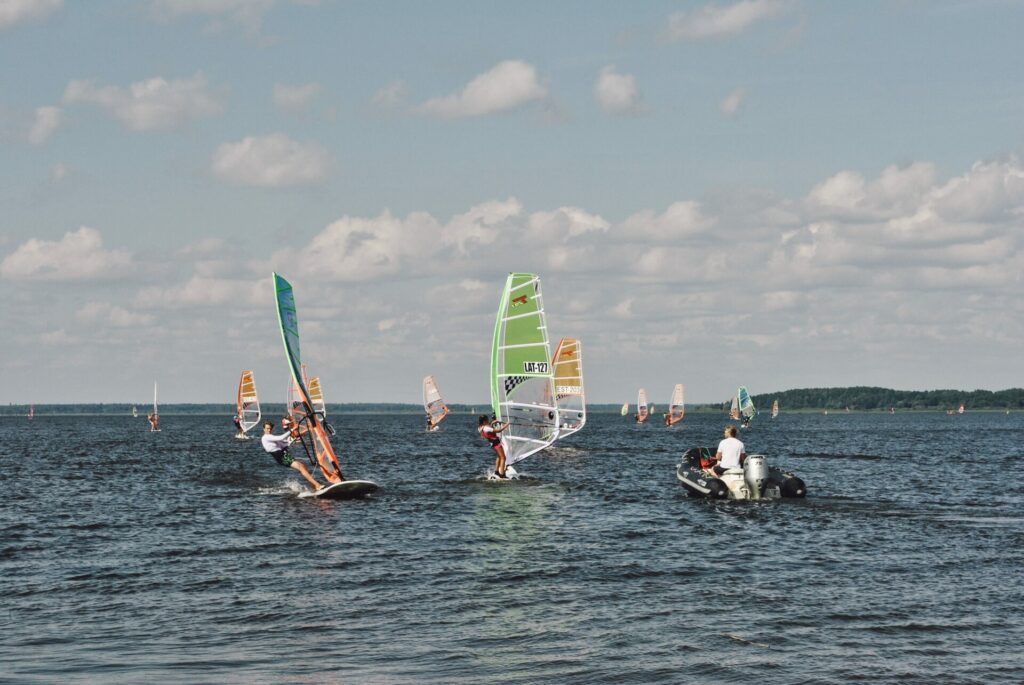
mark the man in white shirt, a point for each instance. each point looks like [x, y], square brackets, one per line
[277, 447]
[730, 452]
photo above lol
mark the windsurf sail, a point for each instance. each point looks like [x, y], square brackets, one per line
[641, 406]
[522, 380]
[734, 410]
[310, 429]
[572, 405]
[248, 405]
[746, 404]
[961, 409]
[433, 404]
[775, 408]
[625, 408]
[676, 406]
[154, 399]
[316, 395]
[31, 411]
[135, 412]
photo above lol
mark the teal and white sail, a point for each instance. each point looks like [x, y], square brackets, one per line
[746, 404]
[522, 377]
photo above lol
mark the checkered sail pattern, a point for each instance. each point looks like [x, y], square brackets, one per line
[522, 381]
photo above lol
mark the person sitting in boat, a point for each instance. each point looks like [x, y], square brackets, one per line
[277, 447]
[490, 434]
[730, 454]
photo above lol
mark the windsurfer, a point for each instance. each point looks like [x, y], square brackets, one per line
[730, 454]
[154, 421]
[238, 425]
[490, 434]
[277, 447]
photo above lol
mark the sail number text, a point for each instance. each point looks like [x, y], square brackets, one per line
[535, 367]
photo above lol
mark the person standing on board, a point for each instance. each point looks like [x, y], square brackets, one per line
[277, 447]
[490, 434]
[154, 421]
[730, 452]
[238, 426]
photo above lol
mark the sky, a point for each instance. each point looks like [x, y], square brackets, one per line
[774, 193]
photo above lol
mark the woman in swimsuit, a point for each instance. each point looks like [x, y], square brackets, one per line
[490, 434]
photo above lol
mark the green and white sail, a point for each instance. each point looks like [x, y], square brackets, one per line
[289, 320]
[746, 405]
[522, 377]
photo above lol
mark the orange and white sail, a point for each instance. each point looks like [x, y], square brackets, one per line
[734, 410]
[641, 406]
[961, 409]
[775, 408]
[316, 396]
[569, 398]
[676, 406]
[247, 404]
[433, 403]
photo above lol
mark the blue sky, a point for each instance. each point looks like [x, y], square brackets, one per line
[775, 193]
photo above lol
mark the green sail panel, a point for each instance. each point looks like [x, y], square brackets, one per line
[288, 318]
[746, 404]
[522, 376]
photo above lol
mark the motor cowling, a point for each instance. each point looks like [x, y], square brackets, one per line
[755, 473]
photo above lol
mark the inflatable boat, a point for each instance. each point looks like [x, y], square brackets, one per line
[754, 480]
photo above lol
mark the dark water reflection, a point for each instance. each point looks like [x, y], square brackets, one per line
[185, 556]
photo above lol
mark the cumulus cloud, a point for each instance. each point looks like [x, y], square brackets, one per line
[714, 21]
[113, 315]
[15, 12]
[617, 93]
[206, 292]
[46, 121]
[79, 255]
[731, 103]
[155, 103]
[506, 86]
[391, 96]
[246, 13]
[270, 161]
[295, 97]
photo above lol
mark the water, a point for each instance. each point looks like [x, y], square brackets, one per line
[185, 556]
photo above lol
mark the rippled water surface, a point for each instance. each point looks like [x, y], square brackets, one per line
[186, 556]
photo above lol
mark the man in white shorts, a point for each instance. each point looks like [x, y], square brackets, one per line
[730, 452]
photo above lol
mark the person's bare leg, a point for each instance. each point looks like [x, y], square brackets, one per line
[301, 468]
[499, 463]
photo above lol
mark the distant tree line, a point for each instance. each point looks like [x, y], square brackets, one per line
[864, 398]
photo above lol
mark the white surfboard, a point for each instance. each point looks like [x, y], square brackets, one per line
[346, 489]
[510, 474]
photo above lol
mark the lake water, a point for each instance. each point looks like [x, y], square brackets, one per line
[185, 556]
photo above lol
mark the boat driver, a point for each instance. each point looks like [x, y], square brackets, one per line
[277, 447]
[730, 454]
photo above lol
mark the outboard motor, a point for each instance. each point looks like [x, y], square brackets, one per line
[755, 473]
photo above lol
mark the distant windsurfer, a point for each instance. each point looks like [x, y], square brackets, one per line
[154, 421]
[730, 454]
[277, 447]
[489, 433]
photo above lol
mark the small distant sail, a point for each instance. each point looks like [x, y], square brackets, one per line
[572, 405]
[676, 406]
[775, 408]
[316, 395]
[746, 404]
[625, 408]
[154, 399]
[522, 379]
[31, 411]
[433, 403]
[247, 404]
[961, 409]
[310, 426]
[135, 412]
[641, 406]
[734, 410]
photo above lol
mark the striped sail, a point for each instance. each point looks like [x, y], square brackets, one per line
[676, 407]
[248, 405]
[433, 403]
[316, 395]
[311, 428]
[745, 403]
[641, 406]
[522, 382]
[572, 405]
